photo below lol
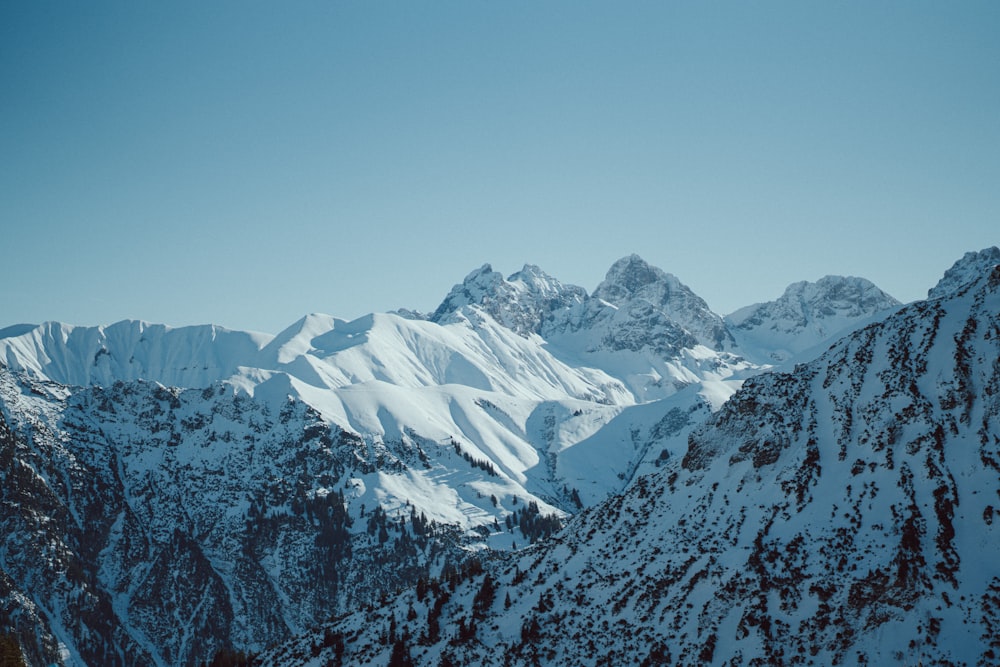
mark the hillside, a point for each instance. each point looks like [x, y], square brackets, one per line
[842, 513]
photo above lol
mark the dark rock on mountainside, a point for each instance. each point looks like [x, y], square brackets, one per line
[523, 302]
[636, 306]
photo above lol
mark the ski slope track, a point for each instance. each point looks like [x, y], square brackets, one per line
[170, 492]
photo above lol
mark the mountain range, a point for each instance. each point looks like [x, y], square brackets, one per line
[512, 479]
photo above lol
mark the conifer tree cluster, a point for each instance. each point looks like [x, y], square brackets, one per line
[534, 525]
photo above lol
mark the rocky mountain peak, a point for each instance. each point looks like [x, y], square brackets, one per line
[478, 286]
[806, 314]
[969, 268]
[521, 302]
[804, 302]
[844, 293]
[631, 283]
[629, 276]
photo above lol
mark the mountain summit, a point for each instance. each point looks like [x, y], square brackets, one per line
[806, 315]
[970, 268]
[522, 302]
[632, 281]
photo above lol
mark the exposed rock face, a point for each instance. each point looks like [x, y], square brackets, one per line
[838, 514]
[523, 302]
[965, 271]
[655, 295]
[636, 306]
[642, 325]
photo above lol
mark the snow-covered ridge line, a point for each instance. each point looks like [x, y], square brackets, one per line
[635, 327]
[836, 514]
[806, 315]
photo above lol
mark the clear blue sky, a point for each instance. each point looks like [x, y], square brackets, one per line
[246, 163]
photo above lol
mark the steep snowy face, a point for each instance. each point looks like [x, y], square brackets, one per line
[185, 356]
[844, 513]
[521, 303]
[807, 315]
[964, 271]
[653, 298]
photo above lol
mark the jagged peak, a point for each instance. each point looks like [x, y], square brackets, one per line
[529, 270]
[484, 271]
[971, 267]
[520, 302]
[806, 316]
[632, 274]
[544, 285]
[849, 295]
[862, 293]
[477, 285]
[634, 283]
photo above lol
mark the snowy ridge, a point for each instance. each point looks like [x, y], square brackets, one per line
[183, 357]
[838, 514]
[806, 315]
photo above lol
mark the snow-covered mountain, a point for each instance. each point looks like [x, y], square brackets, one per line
[843, 513]
[653, 297]
[524, 302]
[806, 315]
[641, 325]
[81, 356]
[174, 491]
[964, 271]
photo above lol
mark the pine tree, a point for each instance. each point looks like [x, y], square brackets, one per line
[400, 655]
[484, 598]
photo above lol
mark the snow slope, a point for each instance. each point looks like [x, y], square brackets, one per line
[844, 513]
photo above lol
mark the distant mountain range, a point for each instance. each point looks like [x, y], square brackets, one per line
[170, 493]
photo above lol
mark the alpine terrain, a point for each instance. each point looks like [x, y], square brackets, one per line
[531, 474]
[845, 512]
